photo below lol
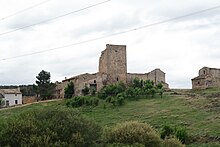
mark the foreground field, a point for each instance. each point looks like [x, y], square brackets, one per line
[194, 110]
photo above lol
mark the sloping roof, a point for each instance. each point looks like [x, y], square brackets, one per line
[75, 77]
[210, 68]
[10, 91]
[199, 77]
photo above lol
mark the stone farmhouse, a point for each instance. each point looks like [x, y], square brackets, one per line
[112, 69]
[208, 78]
[11, 97]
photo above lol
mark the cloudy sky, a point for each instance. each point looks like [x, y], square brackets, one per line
[179, 48]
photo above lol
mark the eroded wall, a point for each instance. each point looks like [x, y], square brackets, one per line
[113, 62]
[157, 76]
[208, 78]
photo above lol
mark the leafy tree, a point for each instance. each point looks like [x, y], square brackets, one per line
[2, 102]
[50, 128]
[85, 91]
[111, 90]
[44, 87]
[27, 90]
[160, 89]
[137, 83]
[69, 90]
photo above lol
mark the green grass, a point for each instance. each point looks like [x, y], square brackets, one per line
[209, 92]
[173, 110]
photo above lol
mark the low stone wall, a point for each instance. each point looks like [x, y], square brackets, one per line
[29, 99]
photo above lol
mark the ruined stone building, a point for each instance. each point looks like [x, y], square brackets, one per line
[208, 78]
[112, 69]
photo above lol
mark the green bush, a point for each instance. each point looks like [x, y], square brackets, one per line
[179, 133]
[85, 90]
[166, 131]
[111, 90]
[69, 90]
[120, 100]
[132, 132]
[172, 142]
[79, 101]
[124, 145]
[50, 127]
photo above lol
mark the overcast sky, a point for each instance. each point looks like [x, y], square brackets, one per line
[179, 48]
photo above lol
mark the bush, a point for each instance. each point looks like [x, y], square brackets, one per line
[111, 90]
[132, 132]
[172, 142]
[179, 133]
[79, 101]
[124, 145]
[69, 90]
[50, 128]
[166, 131]
[120, 100]
[85, 90]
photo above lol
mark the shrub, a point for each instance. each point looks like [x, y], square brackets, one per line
[85, 90]
[166, 131]
[179, 133]
[132, 132]
[79, 101]
[120, 100]
[69, 90]
[111, 90]
[124, 145]
[50, 127]
[172, 142]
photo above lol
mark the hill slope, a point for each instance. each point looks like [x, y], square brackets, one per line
[194, 110]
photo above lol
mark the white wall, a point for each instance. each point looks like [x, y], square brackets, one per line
[12, 97]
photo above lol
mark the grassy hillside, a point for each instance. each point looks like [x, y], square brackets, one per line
[194, 110]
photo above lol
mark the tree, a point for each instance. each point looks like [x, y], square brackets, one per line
[49, 127]
[2, 102]
[44, 88]
[85, 91]
[69, 90]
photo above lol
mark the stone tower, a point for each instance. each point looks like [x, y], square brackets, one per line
[113, 63]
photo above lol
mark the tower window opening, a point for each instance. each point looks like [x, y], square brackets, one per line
[117, 79]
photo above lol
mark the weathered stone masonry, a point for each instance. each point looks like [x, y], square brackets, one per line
[208, 78]
[112, 69]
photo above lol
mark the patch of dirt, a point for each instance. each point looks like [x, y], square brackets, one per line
[214, 104]
[204, 139]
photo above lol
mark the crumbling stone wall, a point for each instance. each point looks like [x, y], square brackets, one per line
[81, 81]
[157, 76]
[112, 69]
[113, 62]
[208, 78]
[29, 99]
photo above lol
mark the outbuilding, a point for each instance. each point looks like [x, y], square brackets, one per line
[11, 97]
